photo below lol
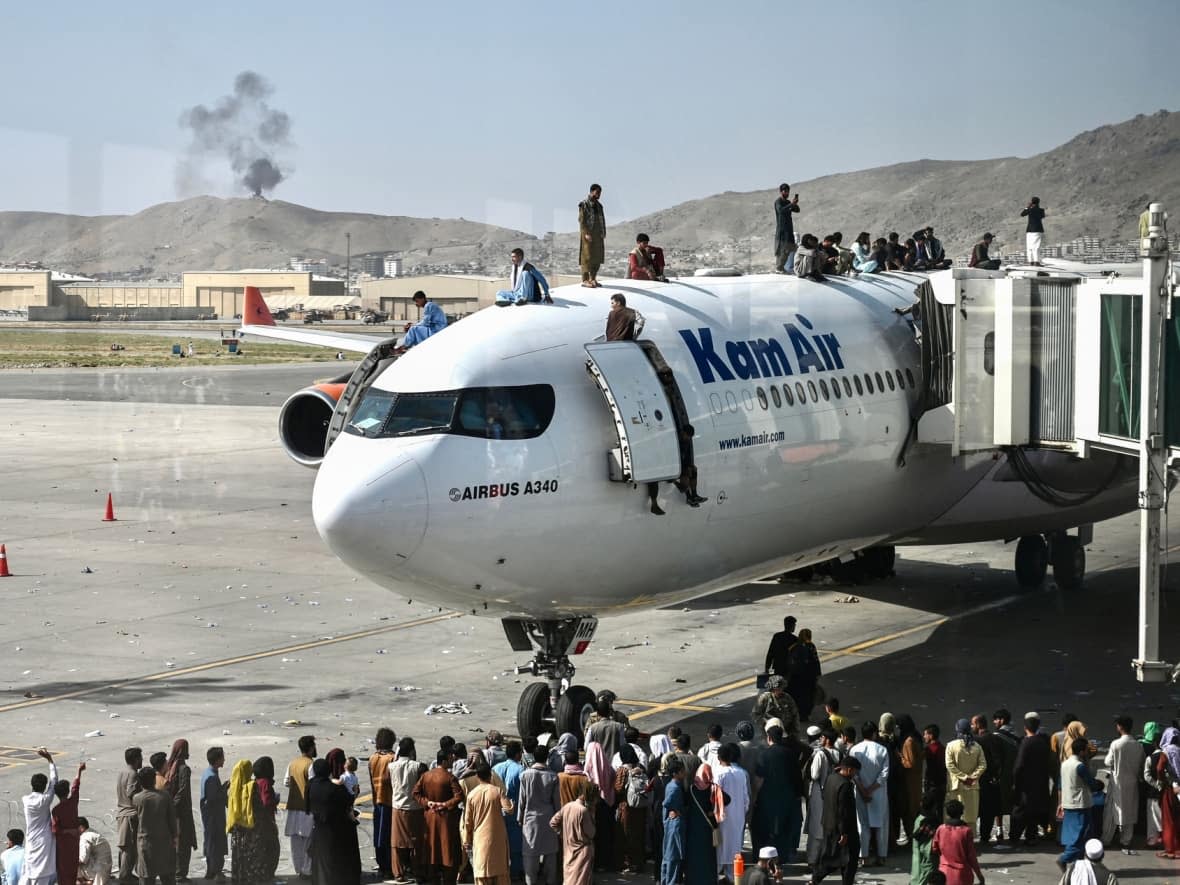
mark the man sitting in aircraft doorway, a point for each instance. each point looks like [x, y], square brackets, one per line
[528, 283]
[646, 262]
[433, 320]
[622, 323]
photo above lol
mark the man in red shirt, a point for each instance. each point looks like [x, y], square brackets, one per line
[646, 262]
[65, 827]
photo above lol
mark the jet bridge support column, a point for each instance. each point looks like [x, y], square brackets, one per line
[1152, 448]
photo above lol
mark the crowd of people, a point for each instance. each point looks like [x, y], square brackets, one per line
[798, 779]
[816, 258]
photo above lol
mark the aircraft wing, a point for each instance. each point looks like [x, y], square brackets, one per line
[348, 343]
[257, 320]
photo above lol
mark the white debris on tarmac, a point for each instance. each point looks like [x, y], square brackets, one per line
[452, 707]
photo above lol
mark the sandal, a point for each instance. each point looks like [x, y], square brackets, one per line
[1165, 854]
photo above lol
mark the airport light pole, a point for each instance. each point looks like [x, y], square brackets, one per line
[348, 266]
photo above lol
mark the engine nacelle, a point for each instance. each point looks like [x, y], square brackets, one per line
[304, 420]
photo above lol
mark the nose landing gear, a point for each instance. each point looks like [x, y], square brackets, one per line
[554, 705]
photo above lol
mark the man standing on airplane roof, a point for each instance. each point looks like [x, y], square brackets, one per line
[784, 229]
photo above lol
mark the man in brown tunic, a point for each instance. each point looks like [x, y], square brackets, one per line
[156, 831]
[126, 787]
[621, 321]
[592, 226]
[439, 794]
[484, 832]
[299, 823]
[575, 822]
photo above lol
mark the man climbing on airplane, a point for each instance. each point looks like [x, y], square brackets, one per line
[433, 320]
[527, 283]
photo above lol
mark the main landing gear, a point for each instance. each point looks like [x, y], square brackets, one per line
[555, 705]
[1066, 553]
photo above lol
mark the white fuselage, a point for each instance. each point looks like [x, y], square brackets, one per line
[535, 528]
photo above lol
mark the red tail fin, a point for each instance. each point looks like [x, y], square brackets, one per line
[254, 310]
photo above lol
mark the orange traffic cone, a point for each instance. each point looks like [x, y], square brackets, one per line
[4, 572]
[110, 514]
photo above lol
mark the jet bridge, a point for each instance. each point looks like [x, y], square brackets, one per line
[1070, 360]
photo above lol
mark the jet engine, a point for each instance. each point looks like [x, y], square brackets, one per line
[304, 421]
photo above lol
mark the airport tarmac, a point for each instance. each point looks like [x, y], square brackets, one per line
[211, 610]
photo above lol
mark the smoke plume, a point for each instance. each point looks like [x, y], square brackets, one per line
[241, 128]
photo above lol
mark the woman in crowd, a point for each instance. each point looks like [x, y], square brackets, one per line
[704, 810]
[335, 852]
[602, 776]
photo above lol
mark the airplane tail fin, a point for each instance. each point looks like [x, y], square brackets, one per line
[254, 309]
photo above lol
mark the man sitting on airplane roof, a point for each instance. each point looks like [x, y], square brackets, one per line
[979, 256]
[810, 259]
[646, 262]
[433, 320]
[528, 283]
[932, 246]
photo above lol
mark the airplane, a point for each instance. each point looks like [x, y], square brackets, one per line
[506, 465]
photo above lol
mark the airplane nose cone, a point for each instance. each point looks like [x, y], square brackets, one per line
[371, 511]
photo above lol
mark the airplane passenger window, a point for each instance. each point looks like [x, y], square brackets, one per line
[504, 412]
[868, 382]
[880, 383]
[715, 402]
[777, 397]
[799, 392]
[823, 389]
[748, 400]
[889, 378]
[811, 390]
[859, 389]
[836, 388]
[731, 401]
[762, 401]
[900, 380]
[790, 397]
[910, 377]
[847, 387]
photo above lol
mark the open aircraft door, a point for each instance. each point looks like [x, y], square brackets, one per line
[645, 405]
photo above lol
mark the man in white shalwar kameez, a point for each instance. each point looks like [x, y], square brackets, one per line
[734, 782]
[872, 795]
[823, 762]
[40, 848]
[1125, 761]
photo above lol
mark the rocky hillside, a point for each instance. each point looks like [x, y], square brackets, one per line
[1096, 184]
[209, 233]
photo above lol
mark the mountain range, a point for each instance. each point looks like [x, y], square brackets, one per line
[1096, 184]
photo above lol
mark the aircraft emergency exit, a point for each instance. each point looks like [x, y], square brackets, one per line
[503, 466]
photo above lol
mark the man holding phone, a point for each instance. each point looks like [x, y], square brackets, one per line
[784, 229]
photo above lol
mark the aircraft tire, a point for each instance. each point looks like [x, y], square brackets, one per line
[878, 562]
[534, 711]
[573, 709]
[1069, 562]
[1032, 561]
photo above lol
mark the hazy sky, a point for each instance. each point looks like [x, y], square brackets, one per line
[505, 112]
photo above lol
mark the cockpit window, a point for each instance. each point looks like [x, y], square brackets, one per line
[505, 412]
[485, 412]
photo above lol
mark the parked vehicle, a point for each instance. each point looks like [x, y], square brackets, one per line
[373, 317]
[313, 316]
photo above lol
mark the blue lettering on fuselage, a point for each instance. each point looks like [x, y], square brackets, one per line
[763, 357]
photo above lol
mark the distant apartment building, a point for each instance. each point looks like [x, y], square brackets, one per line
[309, 265]
[393, 266]
[373, 265]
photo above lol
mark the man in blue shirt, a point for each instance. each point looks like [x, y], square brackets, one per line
[527, 283]
[213, 802]
[433, 320]
[673, 824]
[12, 861]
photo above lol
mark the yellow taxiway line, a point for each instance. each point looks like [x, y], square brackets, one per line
[229, 662]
